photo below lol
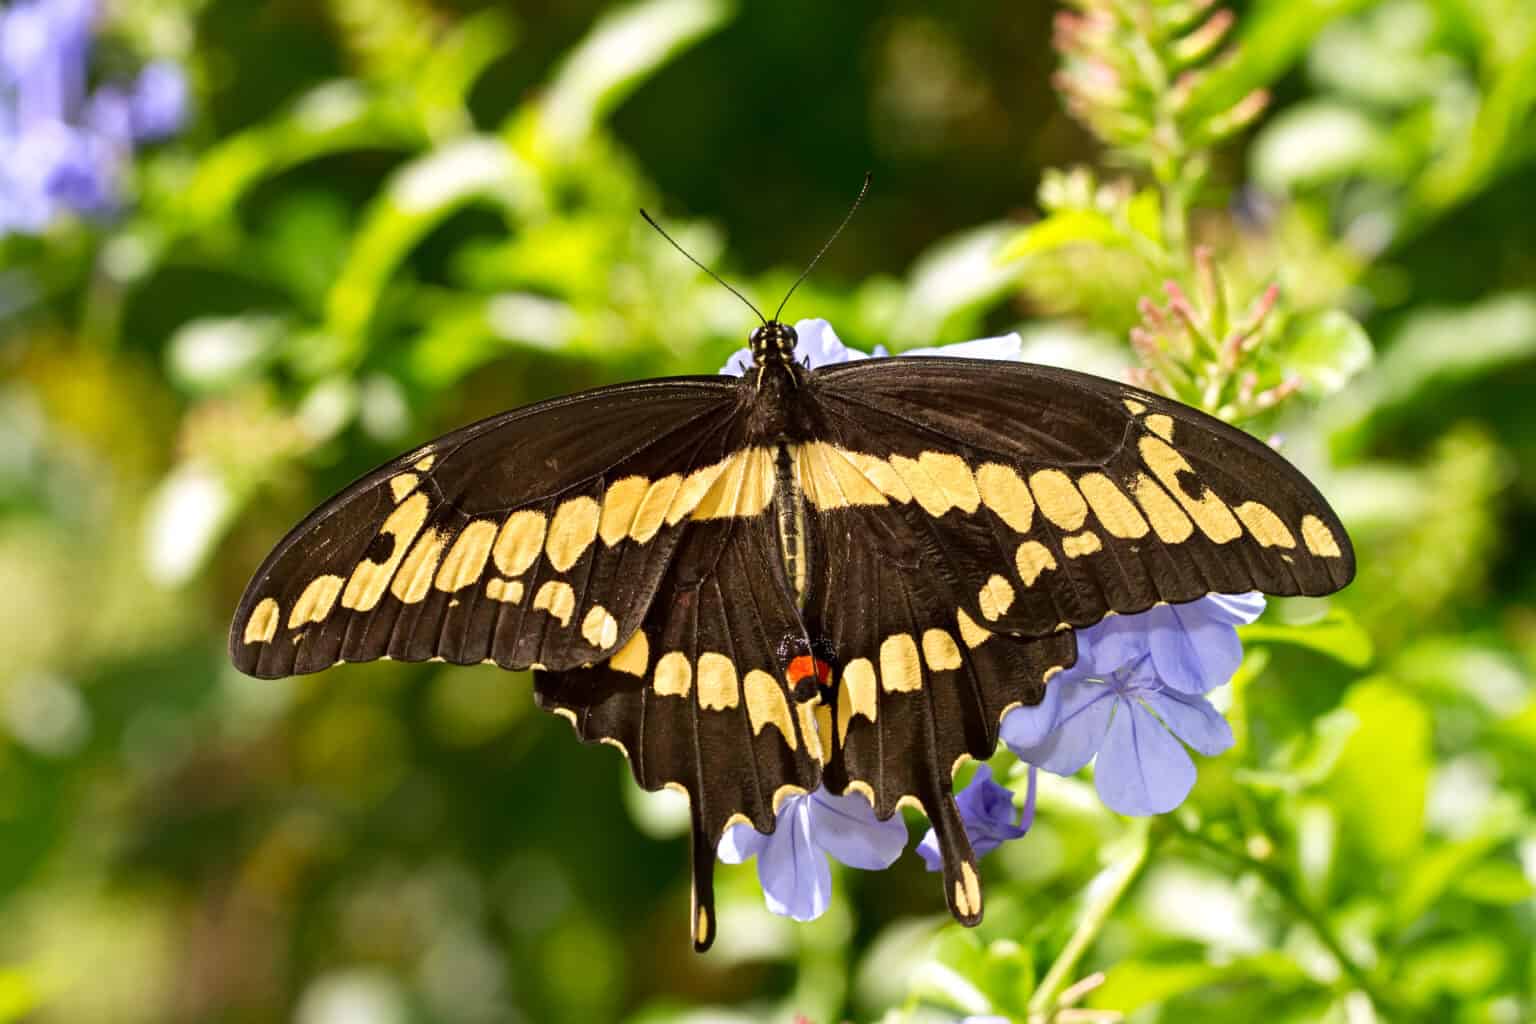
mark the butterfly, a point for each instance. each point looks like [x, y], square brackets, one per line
[753, 586]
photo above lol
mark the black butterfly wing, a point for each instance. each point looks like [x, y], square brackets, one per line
[969, 512]
[920, 684]
[1059, 497]
[539, 536]
[696, 698]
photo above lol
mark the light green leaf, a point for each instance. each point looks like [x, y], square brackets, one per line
[1074, 226]
[1315, 143]
[624, 48]
[1382, 778]
[418, 197]
[1337, 634]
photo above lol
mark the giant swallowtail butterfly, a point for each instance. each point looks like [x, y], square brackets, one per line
[751, 586]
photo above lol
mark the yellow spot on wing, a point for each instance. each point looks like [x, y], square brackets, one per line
[1137, 408]
[810, 729]
[599, 628]
[1168, 520]
[634, 657]
[939, 651]
[316, 602]
[1208, 511]
[1081, 544]
[744, 489]
[1267, 528]
[509, 591]
[857, 695]
[938, 481]
[831, 479]
[401, 485]
[1161, 425]
[414, 579]
[968, 891]
[973, 635]
[425, 462]
[465, 561]
[900, 671]
[1058, 498]
[766, 706]
[674, 675]
[1319, 538]
[1031, 559]
[519, 543]
[557, 598]
[882, 474]
[652, 510]
[692, 489]
[784, 792]
[620, 503]
[572, 529]
[863, 788]
[1113, 509]
[995, 598]
[718, 686]
[1006, 495]
[261, 627]
[366, 586]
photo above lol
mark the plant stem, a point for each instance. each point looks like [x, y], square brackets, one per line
[1302, 910]
[1095, 916]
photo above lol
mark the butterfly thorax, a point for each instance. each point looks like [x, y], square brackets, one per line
[774, 342]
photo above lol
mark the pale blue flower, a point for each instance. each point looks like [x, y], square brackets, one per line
[792, 861]
[819, 343]
[987, 810]
[62, 149]
[1135, 692]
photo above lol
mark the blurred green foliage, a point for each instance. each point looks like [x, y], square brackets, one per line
[394, 216]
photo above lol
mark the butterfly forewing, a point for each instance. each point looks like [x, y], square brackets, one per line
[537, 537]
[1057, 498]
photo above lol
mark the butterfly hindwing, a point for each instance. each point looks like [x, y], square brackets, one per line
[696, 698]
[920, 684]
[536, 537]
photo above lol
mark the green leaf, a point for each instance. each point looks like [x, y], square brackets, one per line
[1382, 778]
[1337, 634]
[1315, 143]
[1326, 350]
[419, 196]
[1065, 227]
[624, 48]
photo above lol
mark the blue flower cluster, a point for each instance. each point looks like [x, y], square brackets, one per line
[65, 146]
[1137, 690]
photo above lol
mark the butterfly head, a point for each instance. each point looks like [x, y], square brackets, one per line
[774, 342]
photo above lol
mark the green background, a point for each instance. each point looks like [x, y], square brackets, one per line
[389, 218]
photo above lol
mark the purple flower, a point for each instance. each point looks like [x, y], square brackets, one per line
[64, 150]
[792, 861]
[987, 810]
[1135, 692]
[159, 102]
[819, 343]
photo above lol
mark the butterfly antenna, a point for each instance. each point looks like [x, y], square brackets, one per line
[711, 273]
[812, 266]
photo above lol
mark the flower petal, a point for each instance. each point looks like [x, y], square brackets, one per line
[796, 879]
[741, 843]
[1004, 346]
[1142, 769]
[1027, 726]
[819, 343]
[988, 813]
[846, 827]
[1192, 719]
[1194, 646]
[1112, 645]
[1080, 728]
